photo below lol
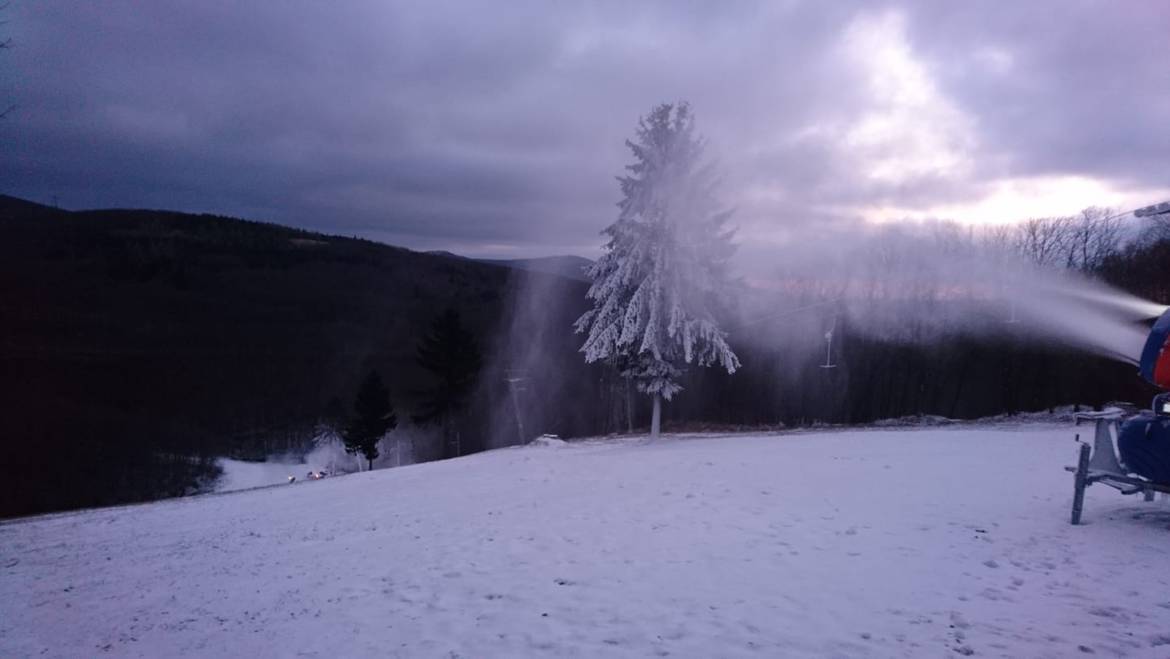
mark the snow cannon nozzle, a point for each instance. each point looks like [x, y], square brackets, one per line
[1162, 404]
[1155, 361]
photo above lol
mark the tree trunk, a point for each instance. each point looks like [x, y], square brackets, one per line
[369, 464]
[656, 417]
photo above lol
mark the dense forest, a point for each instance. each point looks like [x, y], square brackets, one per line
[139, 346]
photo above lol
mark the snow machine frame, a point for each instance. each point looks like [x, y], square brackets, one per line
[1098, 463]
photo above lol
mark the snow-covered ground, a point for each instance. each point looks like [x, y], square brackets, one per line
[911, 542]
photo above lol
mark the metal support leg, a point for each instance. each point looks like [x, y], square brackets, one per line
[1148, 494]
[1080, 481]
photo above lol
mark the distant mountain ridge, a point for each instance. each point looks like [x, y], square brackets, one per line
[568, 266]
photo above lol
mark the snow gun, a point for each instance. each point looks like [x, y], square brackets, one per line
[1155, 363]
[1144, 440]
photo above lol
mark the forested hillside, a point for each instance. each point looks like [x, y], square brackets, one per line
[131, 339]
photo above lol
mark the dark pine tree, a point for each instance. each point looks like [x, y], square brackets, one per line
[373, 417]
[333, 417]
[451, 355]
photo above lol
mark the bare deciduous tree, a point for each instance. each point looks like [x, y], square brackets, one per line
[1157, 229]
[1091, 237]
[998, 238]
[1078, 242]
[1042, 240]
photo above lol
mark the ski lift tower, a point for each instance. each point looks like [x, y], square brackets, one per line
[517, 383]
[829, 346]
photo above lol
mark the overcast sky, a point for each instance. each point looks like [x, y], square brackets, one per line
[496, 128]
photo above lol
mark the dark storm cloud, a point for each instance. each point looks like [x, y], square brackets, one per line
[497, 128]
[1082, 87]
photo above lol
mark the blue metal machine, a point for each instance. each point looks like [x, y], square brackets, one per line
[1143, 441]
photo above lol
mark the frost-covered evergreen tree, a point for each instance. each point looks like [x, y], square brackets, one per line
[664, 272]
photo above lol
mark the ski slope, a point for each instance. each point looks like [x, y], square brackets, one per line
[866, 543]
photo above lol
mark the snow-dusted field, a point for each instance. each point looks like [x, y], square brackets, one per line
[932, 542]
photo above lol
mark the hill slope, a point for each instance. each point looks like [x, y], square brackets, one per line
[850, 544]
[133, 340]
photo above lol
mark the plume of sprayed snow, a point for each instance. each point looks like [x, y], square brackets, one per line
[524, 379]
[398, 448]
[1089, 315]
[920, 284]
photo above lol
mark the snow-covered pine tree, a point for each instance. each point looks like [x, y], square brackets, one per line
[656, 288]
